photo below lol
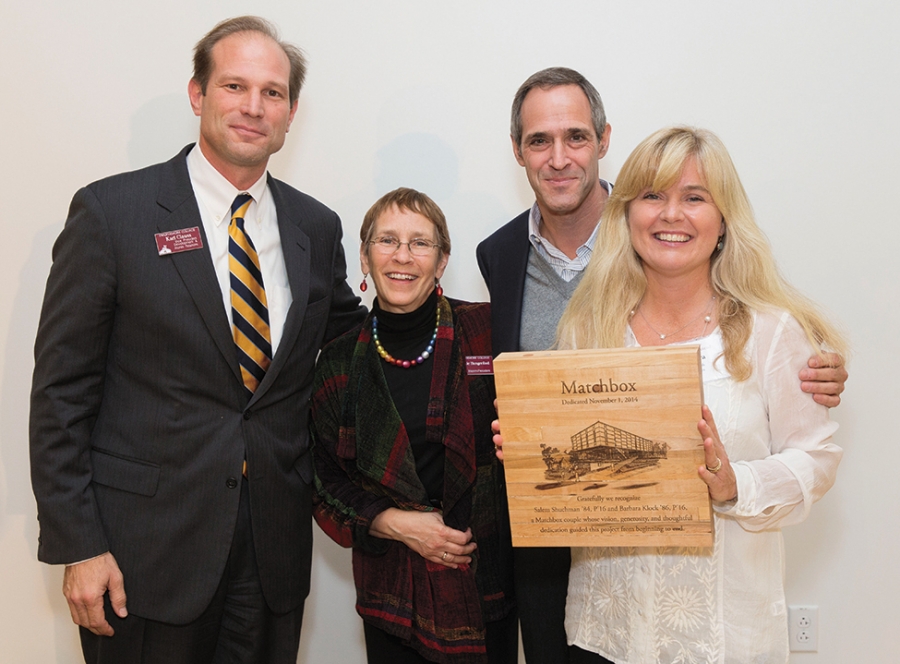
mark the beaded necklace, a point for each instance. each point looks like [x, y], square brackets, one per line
[406, 364]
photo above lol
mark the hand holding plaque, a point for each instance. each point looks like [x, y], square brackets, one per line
[601, 447]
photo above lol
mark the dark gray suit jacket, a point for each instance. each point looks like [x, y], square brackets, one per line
[139, 422]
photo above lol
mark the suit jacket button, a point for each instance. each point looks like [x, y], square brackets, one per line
[248, 414]
[231, 483]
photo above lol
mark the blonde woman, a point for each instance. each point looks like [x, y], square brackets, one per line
[680, 260]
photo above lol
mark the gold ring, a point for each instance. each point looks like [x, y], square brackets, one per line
[717, 468]
[444, 556]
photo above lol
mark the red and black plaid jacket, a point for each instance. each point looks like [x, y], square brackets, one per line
[364, 465]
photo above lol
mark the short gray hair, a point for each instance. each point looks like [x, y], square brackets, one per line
[551, 78]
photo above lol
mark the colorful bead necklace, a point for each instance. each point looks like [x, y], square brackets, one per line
[406, 364]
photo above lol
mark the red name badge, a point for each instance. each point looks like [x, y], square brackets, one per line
[480, 365]
[174, 242]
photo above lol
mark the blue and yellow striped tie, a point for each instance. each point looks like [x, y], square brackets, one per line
[249, 307]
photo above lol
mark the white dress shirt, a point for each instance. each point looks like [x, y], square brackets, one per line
[215, 195]
[638, 605]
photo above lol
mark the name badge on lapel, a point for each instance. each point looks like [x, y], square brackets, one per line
[480, 365]
[174, 242]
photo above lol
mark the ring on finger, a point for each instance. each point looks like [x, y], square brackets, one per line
[717, 467]
[444, 556]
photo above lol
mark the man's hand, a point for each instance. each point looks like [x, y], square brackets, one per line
[84, 585]
[824, 379]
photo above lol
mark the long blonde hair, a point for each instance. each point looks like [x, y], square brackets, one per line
[743, 274]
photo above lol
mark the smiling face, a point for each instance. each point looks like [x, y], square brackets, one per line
[560, 150]
[675, 231]
[402, 281]
[245, 112]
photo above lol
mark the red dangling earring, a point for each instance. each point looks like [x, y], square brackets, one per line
[363, 286]
[437, 287]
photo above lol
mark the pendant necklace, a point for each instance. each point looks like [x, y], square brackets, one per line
[706, 319]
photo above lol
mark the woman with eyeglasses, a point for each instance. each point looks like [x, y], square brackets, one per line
[406, 473]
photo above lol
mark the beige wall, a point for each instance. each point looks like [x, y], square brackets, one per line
[417, 93]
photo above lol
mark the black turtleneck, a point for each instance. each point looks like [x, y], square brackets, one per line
[405, 336]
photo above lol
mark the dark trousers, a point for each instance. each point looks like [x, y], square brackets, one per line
[542, 582]
[502, 640]
[236, 628]
[579, 656]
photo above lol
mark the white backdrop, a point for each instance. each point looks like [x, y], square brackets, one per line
[413, 92]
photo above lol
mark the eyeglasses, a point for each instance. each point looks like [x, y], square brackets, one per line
[387, 244]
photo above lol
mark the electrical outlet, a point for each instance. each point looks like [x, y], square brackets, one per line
[803, 628]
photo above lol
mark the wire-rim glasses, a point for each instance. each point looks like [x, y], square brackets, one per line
[388, 244]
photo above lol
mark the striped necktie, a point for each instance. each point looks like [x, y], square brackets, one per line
[249, 308]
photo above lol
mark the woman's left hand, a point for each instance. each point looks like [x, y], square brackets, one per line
[426, 534]
[717, 473]
[498, 439]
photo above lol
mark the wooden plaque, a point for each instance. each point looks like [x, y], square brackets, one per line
[601, 447]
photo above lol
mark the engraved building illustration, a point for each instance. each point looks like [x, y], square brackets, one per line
[602, 446]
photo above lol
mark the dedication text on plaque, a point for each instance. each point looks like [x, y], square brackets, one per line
[601, 447]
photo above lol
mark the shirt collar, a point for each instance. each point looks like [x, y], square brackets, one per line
[534, 226]
[216, 192]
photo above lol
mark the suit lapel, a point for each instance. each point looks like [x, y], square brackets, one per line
[179, 210]
[295, 247]
[518, 271]
[508, 287]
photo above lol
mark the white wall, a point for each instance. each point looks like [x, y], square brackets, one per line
[412, 92]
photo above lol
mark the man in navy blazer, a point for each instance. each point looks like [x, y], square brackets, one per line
[559, 133]
[178, 499]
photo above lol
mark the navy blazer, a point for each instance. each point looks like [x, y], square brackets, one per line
[503, 261]
[139, 422]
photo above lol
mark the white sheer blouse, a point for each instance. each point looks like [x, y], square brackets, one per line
[638, 605]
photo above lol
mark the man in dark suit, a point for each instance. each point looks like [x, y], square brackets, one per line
[169, 453]
[531, 267]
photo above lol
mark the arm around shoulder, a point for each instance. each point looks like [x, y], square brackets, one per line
[347, 310]
[483, 264]
[824, 378]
